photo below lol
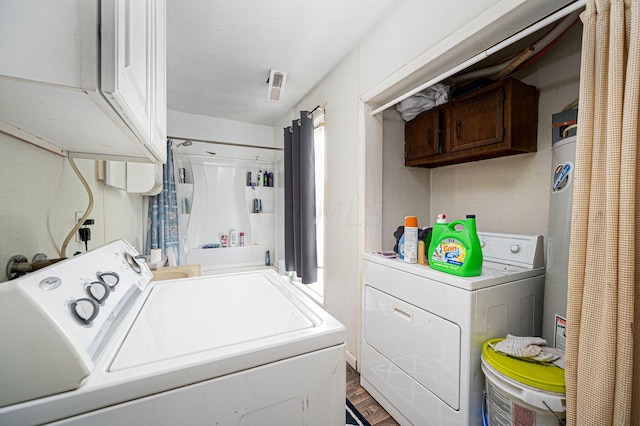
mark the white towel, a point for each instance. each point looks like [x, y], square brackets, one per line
[530, 348]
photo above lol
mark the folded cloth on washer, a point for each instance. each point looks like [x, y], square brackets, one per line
[530, 349]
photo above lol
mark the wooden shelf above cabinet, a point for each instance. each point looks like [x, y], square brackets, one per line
[498, 120]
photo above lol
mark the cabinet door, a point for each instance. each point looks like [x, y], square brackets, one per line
[126, 61]
[478, 121]
[159, 92]
[422, 136]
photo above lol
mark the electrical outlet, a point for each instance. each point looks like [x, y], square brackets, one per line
[78, 218]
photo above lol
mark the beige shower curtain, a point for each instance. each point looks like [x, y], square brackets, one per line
[603, 343]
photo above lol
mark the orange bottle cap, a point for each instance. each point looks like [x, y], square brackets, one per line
[411, 221]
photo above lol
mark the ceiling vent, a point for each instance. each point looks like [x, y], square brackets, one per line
[276, 82]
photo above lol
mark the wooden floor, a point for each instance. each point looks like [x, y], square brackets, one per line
[360, 398]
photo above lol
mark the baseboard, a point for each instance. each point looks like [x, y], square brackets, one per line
[351, 359]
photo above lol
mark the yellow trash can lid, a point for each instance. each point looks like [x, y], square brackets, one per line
[540, 376]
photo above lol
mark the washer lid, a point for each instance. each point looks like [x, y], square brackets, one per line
[546, 377]
[184, 317]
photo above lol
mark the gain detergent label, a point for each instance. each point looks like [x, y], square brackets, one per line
[449, 253]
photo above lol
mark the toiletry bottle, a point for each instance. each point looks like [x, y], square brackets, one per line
[248, 178]
[421, 252]
[266, 178]
[233, 238]
[260, 178]
[267, 258]
[242, 239]
[411, 239]
[270, 178]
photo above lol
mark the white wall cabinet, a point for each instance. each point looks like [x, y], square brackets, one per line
[85, 78]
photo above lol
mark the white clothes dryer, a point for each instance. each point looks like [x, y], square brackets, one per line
[423, 330]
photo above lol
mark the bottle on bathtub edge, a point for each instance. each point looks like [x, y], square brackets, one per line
[456, 251]
[233, 238]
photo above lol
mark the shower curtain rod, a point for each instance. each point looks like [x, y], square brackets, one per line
[273, 148]
[567, 10]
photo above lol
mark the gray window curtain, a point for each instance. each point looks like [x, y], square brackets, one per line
[300, 199]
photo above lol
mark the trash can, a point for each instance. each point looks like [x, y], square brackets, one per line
[521, 392]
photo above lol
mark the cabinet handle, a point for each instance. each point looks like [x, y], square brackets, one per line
[458, 126]
[402, 314]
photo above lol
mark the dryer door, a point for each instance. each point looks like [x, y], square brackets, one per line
[423, 345]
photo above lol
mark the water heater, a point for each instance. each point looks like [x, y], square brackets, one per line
[559, 236]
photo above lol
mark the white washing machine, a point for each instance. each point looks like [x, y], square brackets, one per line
[91, 341]
[423, 330]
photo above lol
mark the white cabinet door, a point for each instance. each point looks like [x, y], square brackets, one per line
[159, 87]
[127, 62]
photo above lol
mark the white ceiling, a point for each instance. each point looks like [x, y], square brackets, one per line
[219, 53]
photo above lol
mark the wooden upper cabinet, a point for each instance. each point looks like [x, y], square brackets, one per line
[422, 136]
[476, 121]
[497, 120]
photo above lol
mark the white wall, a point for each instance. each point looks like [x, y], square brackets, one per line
[338, 95]
[405, 190]
[421, 39]
[413, 43]
[511, 194]
[40, 195]
[192, 126]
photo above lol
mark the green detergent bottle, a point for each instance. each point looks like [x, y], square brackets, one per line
[456, 251]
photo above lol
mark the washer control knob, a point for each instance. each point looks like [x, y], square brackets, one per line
[111, 279]
[84, 310]
[133, 262]
[515, 248]
[98, 290]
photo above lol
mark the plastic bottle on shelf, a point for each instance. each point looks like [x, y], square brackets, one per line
[241, 239]
[233, 238]
[270, 178]
[266, 178]
[456, 251]
[260, 178]
[411, 239]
